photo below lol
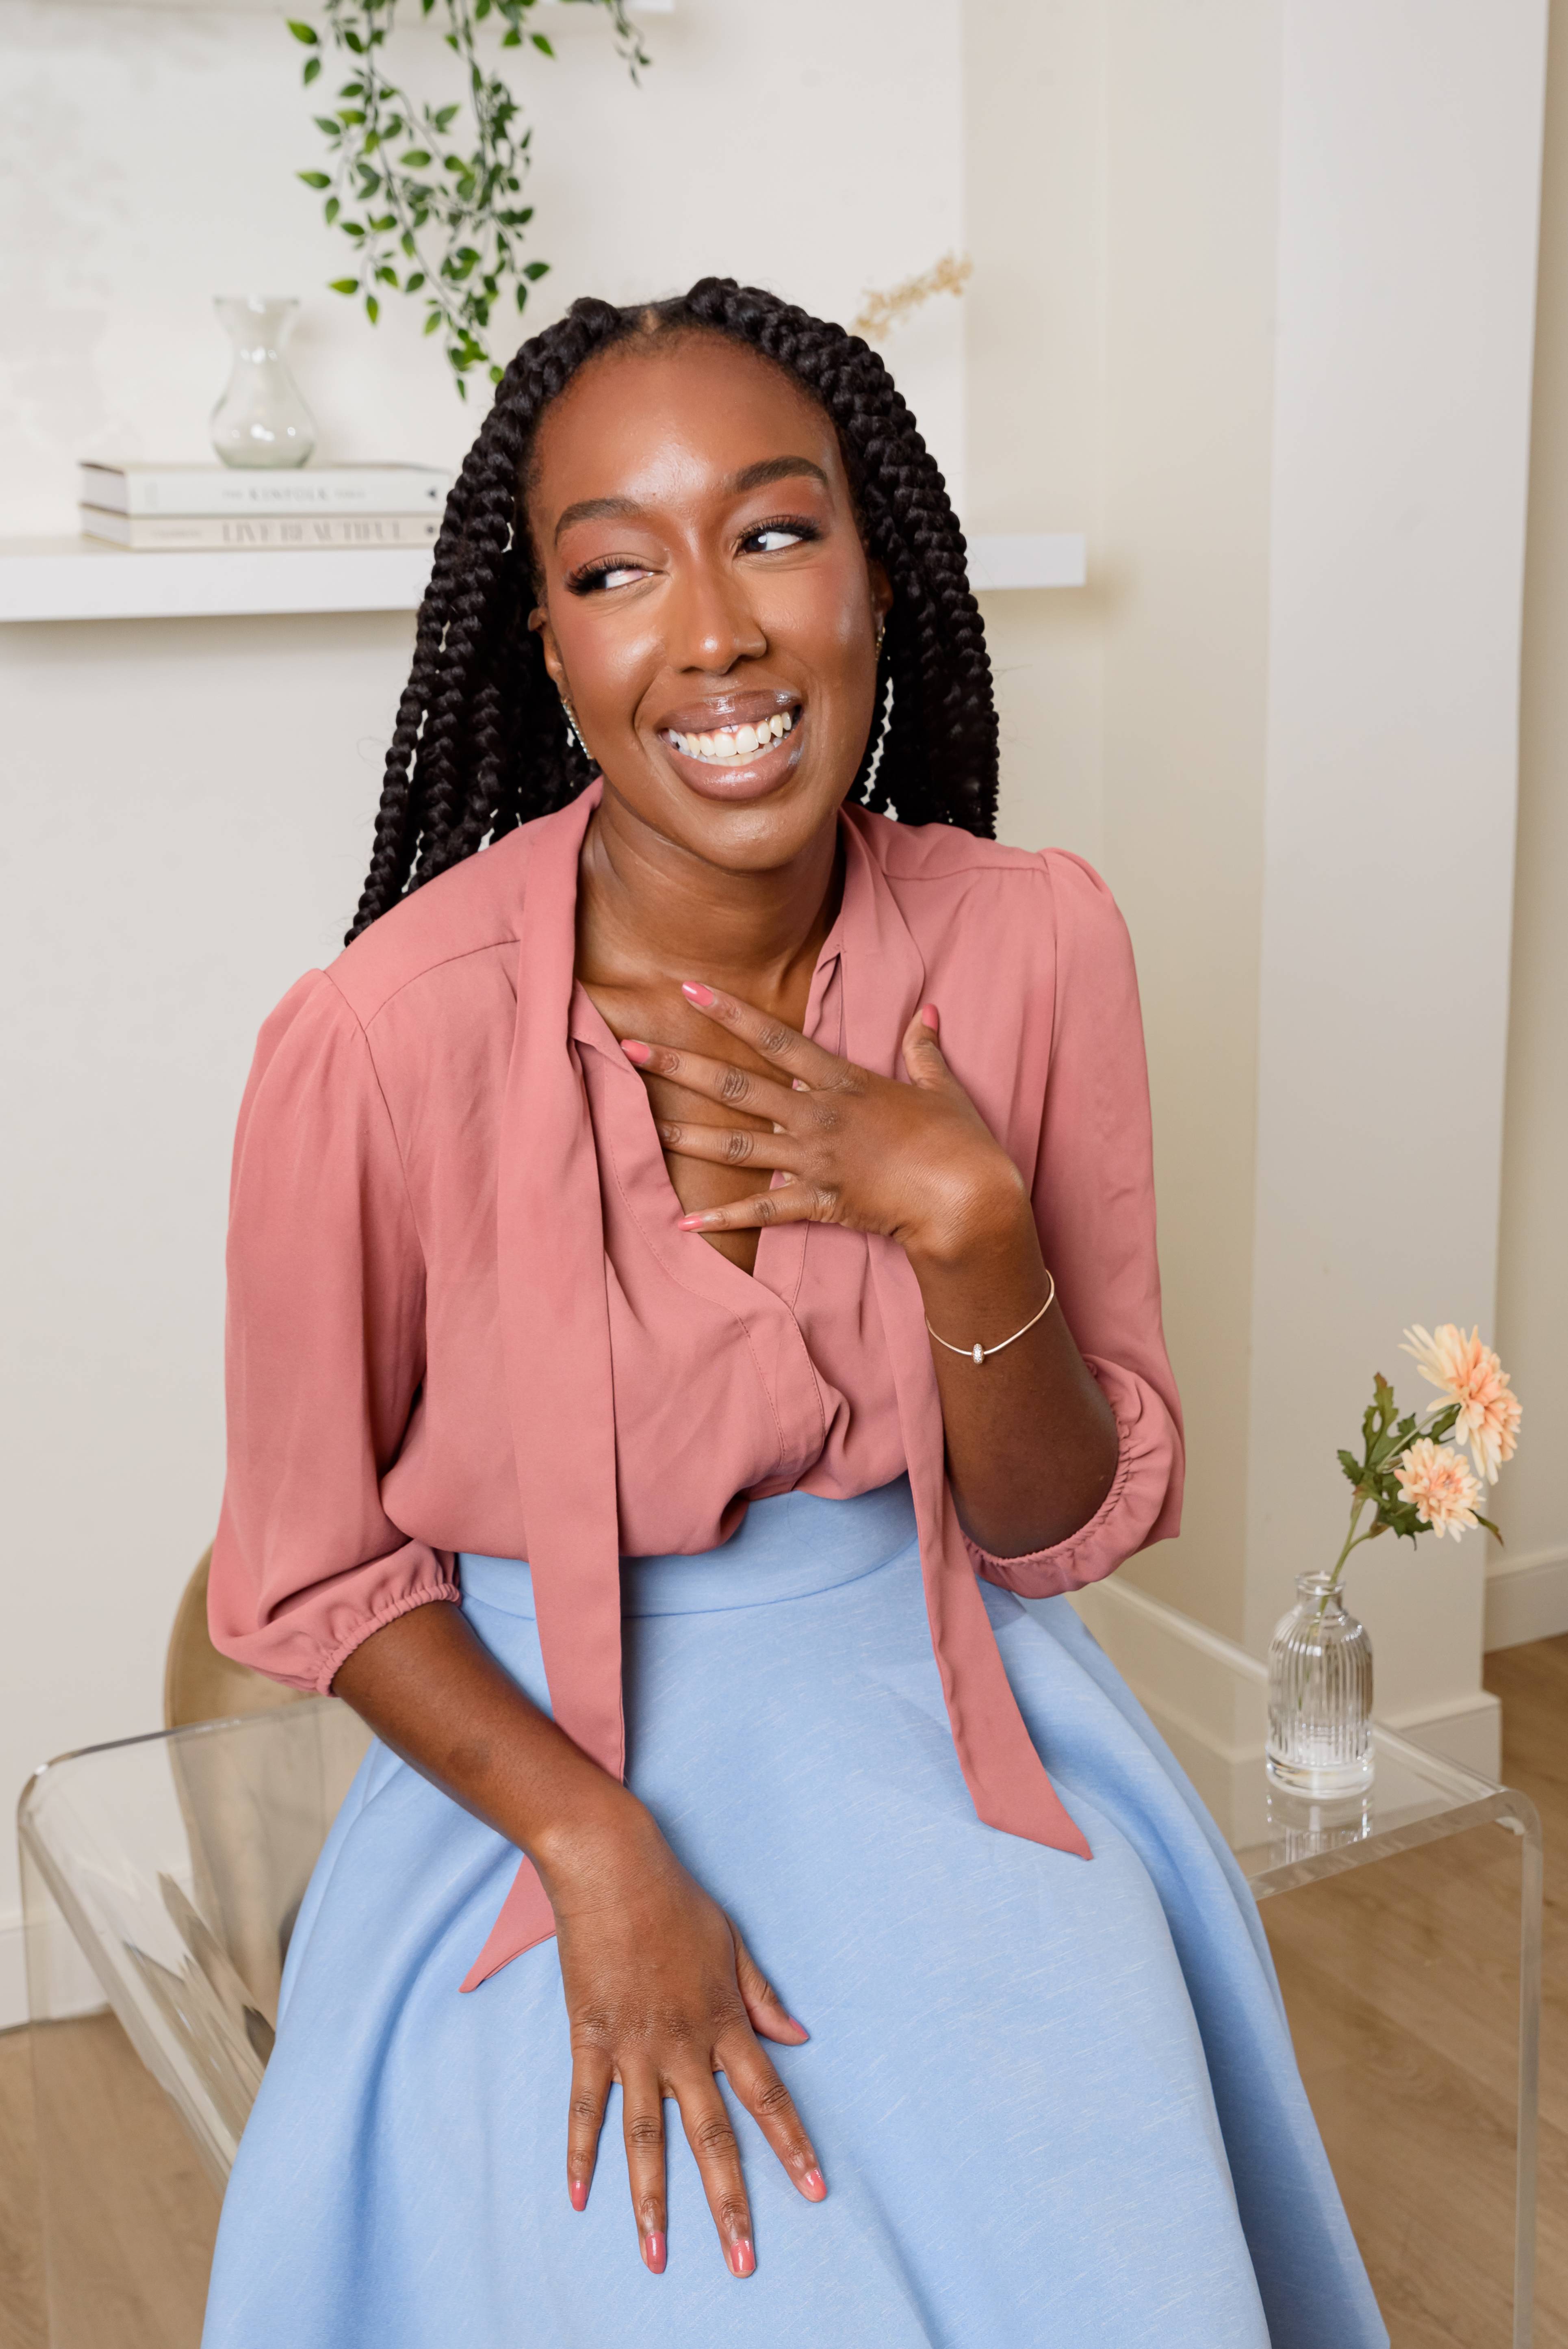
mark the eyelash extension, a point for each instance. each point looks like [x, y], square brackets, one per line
[582, 582]
[799, 525]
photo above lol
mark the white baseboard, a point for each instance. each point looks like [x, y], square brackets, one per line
[1527, 1600]
[1469, 1730]
[13, 1971]
[1208, 1700]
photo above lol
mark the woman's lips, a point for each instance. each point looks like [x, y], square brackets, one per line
[761, 756]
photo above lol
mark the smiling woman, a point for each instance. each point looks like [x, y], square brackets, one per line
[706, 1240]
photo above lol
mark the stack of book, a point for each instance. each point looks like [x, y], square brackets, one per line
[208, 508]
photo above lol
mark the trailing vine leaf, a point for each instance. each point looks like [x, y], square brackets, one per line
[431, 198]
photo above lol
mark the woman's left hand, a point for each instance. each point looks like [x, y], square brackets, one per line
[915, 1161]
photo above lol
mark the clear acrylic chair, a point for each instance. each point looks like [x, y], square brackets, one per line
[162, 1877]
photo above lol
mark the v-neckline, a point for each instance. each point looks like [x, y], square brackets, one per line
[603, 1037]
[589, 1025]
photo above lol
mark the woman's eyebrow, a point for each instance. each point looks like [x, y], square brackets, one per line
[599, 509]
[750, 477]
[773, 469]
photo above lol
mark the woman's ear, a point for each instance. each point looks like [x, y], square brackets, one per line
[539, 621]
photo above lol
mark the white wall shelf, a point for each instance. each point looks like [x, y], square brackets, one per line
[86, 579]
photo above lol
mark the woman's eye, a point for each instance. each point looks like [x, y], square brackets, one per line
[620, 575]
[774, 536]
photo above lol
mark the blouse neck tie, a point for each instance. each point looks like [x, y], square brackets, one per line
[556, 1346]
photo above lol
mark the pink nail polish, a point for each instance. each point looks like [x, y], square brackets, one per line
[691, 1222]
[799, 2026]
[814, 2184]
[653, 2253]
[742, 2258]
[577, 2188]
[703, 995]
[641, 1054]
[928, 1013]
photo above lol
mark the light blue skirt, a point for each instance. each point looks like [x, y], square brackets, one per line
[1055, 2101]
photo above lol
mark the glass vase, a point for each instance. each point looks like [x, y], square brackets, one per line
[261, 421]
[1320, 1695]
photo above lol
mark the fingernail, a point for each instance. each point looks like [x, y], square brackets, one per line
[578, 2189]
[653, 2253]
[799, 2026]
[691, 1222]
[928, 1013]
[641, 1054]
[705, 995]
[814, 2184]
[742, 2258]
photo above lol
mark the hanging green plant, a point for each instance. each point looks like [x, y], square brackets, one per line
[431, 198]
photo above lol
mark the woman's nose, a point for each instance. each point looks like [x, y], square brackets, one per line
[712, 622]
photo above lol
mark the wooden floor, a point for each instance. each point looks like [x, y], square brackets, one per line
[1400, 1981]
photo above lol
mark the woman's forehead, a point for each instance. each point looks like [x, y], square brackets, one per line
[692, 414]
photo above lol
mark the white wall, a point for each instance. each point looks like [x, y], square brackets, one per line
[1294, 405]
[1409, 196]
[188, 806]
[152, 153]
[1527, 1586]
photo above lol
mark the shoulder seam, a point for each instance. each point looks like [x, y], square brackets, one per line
[363, 1034]
[426, 971]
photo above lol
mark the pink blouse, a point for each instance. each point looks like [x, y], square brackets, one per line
[462, 1316]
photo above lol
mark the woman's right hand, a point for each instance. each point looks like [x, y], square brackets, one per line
[662, 1993]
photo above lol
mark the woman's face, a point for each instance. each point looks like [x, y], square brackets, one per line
[707, 605]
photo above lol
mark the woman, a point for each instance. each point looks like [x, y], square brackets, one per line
[704, 1196]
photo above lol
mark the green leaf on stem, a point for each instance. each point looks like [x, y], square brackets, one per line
[306, 33]
[314, 179]
[312, 67]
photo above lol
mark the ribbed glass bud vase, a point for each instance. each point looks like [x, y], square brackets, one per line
[1320, 1695]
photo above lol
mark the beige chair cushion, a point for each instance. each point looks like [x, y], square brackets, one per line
[199, 1684]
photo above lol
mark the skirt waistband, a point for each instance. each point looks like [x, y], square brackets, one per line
[789, 1547]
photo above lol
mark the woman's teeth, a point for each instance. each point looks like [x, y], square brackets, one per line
[736, 741]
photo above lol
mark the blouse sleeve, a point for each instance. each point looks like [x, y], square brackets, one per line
[325, 1349]
[1094, 1205]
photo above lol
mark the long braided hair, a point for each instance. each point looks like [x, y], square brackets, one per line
[480, 745]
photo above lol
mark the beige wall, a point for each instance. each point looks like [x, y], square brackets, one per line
[1120, 381]
[1256, 315]
[1528, 1597]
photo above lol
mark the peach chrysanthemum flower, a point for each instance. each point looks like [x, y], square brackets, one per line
[1442, 1484]
[1469, 1374]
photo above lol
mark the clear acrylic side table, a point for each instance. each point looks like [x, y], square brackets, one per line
[1285, 1841]
[162, 1877]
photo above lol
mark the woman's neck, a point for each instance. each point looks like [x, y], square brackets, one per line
[651, 913]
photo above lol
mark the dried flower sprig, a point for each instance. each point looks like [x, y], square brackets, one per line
[880, 312]
[1411, 1479]
[431, 205]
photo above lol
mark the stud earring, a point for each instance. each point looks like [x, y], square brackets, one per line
[881, 631]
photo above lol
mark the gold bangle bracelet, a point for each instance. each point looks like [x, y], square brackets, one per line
[977, 1353]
